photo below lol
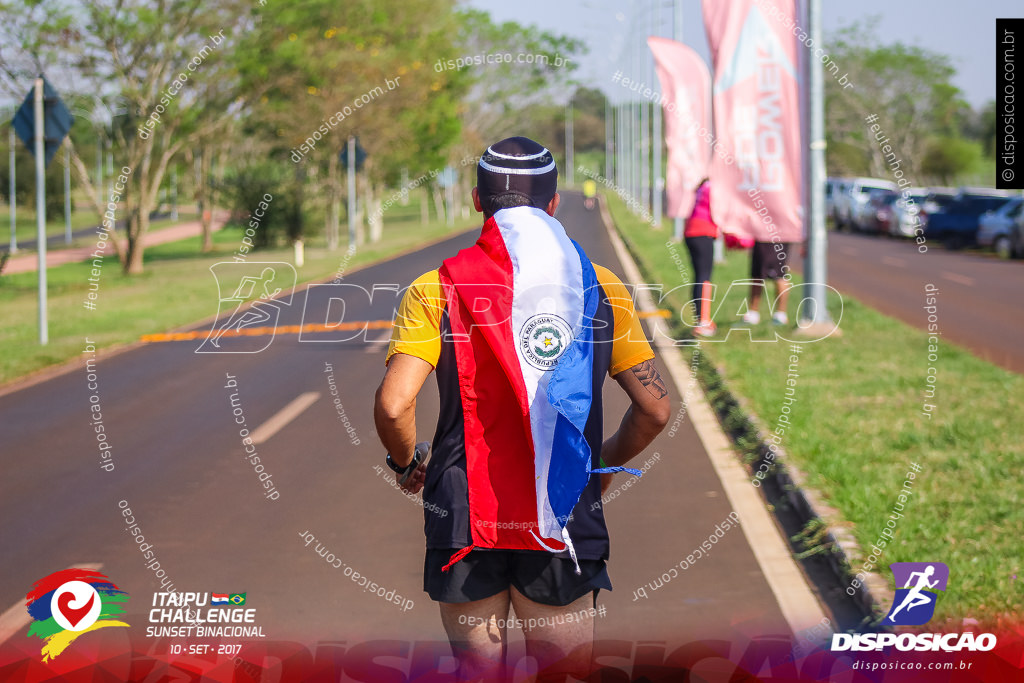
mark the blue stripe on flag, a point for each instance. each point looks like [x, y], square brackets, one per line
[570, 391]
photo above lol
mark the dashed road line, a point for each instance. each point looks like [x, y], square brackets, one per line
[281, 418]
[960, 279]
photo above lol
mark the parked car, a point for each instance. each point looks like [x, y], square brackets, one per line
[834, 189]
[851, 203]
[996, 228]
[833, 186]
[1017, 237]
[880, 212]
[913, 211]
[956, 224]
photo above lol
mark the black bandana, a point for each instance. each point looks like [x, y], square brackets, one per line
[517, 166]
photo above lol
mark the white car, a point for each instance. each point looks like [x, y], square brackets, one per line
[995, 228]
[851, 205]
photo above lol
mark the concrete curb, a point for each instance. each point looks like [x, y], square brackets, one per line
[807, 502]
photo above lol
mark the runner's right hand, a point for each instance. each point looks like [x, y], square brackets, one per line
[415, 481]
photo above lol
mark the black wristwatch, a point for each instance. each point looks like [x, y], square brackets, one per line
[418, 456]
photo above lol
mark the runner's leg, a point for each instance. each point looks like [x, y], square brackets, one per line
[782, 288]
[561, 639]
[477, 632]
[702, 257]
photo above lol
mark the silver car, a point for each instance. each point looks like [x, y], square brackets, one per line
[852, 204]
[997, 229]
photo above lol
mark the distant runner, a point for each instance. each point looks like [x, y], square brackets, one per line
[589, 193]
[699, 236]
[769, 261]
[522, 330]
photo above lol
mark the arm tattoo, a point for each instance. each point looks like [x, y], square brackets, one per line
[650, 378]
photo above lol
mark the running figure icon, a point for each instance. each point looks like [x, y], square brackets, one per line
[917, 589]
[255, 315]
[915, 597]
[251, 297]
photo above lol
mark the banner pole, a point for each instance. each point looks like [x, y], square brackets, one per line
[815, 275]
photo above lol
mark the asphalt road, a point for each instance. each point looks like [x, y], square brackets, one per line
[179, 464]
[979, 302]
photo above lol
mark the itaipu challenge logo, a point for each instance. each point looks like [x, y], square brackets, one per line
[543, 339]
[69, 603]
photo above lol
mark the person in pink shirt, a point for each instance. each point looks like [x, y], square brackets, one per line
[700, 234]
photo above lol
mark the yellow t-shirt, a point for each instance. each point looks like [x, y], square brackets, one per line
[417, 327]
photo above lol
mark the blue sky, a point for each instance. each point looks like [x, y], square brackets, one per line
[965, 31]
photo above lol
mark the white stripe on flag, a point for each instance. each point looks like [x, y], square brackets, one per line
[547, 277]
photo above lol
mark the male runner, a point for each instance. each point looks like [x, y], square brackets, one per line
[521, 329]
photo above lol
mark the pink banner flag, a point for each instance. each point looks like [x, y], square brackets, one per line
[685, 88]
[757, 118]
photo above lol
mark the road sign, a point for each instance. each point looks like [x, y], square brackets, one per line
[57, 118]
[360, 156]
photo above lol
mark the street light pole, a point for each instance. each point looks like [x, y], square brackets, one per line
[677, 35]
[67, 192]
[40, 149]
[569, 153]
[658, 183]
[607, 138]
[99, 171]
[815, 275]
[13, 206]
[351, 191]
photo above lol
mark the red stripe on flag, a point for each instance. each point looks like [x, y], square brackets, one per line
[499, 449]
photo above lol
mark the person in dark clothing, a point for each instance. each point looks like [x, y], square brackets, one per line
[700, 234]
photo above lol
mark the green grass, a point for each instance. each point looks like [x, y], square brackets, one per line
[176, 288]
[857, 427]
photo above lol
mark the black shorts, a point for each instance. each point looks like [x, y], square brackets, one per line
[539, 575]
[767, 260]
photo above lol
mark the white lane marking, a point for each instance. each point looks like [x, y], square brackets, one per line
[893, 261]
[960, 279]
[376, 346]
[282, 417]
[16, 617]
[796, 601]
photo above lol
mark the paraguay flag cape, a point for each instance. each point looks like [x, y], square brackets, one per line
[521, 303]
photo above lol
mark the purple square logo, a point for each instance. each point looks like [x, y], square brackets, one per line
[917, 584]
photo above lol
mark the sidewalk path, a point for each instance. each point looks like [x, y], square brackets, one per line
[27, 263]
